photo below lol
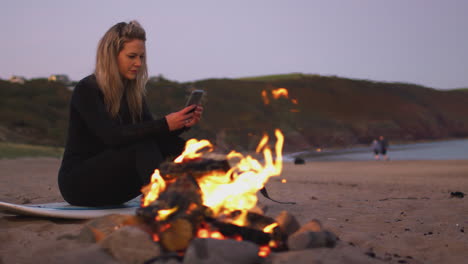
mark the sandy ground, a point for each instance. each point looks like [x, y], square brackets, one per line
[397, 211]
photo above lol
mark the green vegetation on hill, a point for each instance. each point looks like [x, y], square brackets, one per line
[34, 113]
[15, 150]
[330, 111]
[276, 77]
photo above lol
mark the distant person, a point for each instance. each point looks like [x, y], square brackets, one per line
[382, 147]
[113, 143]
[376, 149]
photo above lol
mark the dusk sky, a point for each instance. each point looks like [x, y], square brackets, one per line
[415, 41]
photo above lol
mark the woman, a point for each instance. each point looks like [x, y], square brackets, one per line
[113, 143]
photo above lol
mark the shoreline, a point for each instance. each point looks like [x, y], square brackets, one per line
[405, 152]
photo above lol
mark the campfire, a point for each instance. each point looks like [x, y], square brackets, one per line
[199, 197]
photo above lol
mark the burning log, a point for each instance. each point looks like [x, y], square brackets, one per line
[246, 233]
[176, 214]
[196, 168]
[182, 195]
[177, 235]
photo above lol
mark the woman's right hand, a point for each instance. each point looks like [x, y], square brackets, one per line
[178, 120]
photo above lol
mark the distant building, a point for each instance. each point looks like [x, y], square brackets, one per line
[60, 78]
[17, 79]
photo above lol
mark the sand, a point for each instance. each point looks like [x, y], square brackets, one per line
[395, 211]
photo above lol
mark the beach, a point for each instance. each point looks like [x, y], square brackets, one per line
[392, 211]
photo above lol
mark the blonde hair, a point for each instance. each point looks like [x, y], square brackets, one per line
[107, 72]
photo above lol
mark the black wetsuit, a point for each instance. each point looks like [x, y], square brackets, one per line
[107, 161]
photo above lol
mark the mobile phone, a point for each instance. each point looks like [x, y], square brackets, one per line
[195, 98]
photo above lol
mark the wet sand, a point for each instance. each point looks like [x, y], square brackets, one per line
[394, 211]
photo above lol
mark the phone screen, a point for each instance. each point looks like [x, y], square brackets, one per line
[195, 98]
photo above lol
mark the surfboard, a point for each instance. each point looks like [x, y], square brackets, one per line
[66, 211]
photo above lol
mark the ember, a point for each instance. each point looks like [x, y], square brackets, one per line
[208, 198]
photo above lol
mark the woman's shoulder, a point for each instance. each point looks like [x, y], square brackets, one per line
[87, 81]
[87, 87]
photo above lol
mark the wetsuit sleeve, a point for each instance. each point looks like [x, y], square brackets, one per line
[146, 116]
[146, 113]
[87, 99]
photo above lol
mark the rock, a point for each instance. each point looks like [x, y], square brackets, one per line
[311, 235]
[298, 161]
[287, 223]
[340, 254]
[98, 228]
[313, 225]
[308, 239]
[166, 261]
[92, 254]
[228, 251]
[457, 195]
[130, 245]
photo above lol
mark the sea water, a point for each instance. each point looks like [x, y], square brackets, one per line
[440, 150]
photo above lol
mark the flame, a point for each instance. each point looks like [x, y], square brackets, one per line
[163, 214]
[277, 93]
[206, 233]
[191, 149]
[273, 244]
[264, 251]
[237, 189]
[265, 98]
[269, 228]
[234, 190]
[203, 233]
[151, 191]
[240, 220]
[262, 143]
[283, 181]
[225, 192]
[156, 237]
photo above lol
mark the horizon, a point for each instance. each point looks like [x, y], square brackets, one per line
[421, 42]
[245, 77]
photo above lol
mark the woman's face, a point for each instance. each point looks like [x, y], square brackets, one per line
[131, 58]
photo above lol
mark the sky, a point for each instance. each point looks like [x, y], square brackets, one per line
[422, 42]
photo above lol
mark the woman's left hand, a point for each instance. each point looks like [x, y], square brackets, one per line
[195, 118]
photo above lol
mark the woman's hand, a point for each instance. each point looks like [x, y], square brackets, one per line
[183, 118]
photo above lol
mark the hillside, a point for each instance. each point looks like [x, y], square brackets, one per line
[319, 112]
[34, 113]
